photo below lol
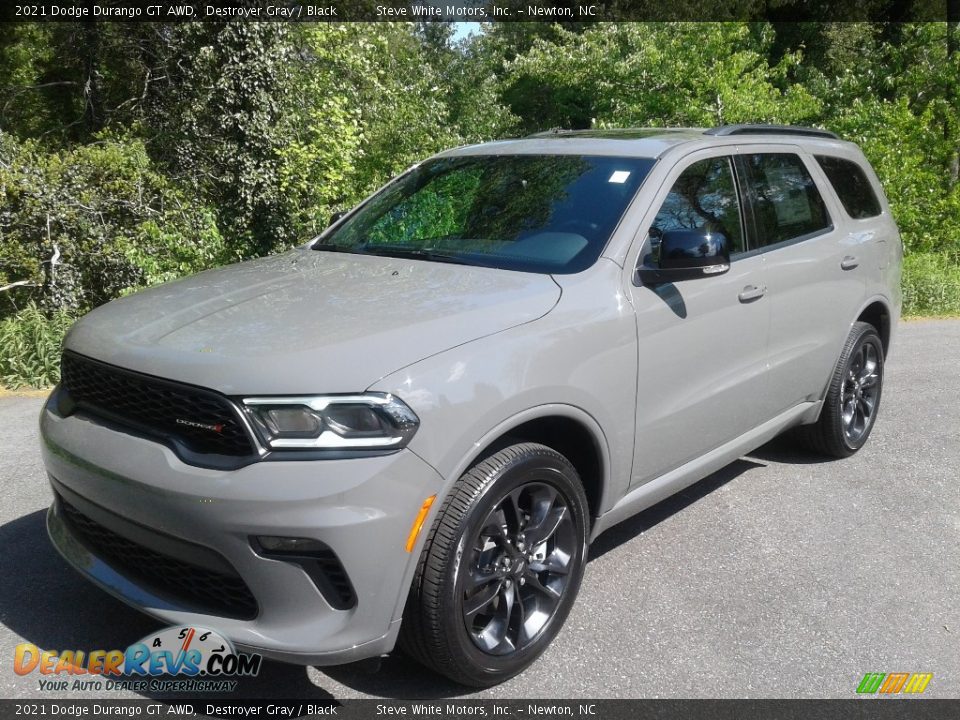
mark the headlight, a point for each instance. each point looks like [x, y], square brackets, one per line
[337, 422]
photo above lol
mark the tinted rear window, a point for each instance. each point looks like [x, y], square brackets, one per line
[853, 188]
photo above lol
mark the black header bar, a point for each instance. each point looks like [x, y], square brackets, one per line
[563, 11]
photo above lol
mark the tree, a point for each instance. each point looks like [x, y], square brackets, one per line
[80, 226]
[220, 117]
[65, 82]
[374, 98]
[656, 74]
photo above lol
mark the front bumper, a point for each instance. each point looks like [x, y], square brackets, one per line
[362, 509]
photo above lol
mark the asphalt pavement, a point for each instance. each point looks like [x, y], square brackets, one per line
[782, 575]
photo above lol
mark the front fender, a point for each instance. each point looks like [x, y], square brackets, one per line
[579, 362]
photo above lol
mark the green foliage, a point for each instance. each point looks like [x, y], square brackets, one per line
[25, 50]
[64, 82]
[182, 244]
[371, 100]
[80, 226]
[931, 285]
[402, 112]
[30, 343]
[221, 119]
[656, 74]
[469, 80]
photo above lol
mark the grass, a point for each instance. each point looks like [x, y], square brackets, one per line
[928, 318]
[931, 286]
[30, 343]
[24, 392]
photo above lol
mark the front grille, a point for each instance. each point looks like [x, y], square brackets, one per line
[206, 590]
[155, 406]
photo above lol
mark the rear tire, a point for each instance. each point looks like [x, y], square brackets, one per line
[501, 567]
[853, 397]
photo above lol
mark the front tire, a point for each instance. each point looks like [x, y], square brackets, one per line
[853, 397]
[501, 567]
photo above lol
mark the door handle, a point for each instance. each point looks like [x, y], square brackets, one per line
[752, 292]
[849, 262]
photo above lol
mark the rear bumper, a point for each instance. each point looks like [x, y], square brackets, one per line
[361, 509]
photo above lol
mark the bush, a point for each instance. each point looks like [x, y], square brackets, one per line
[30, 343]
[931, 285]
[84, 225]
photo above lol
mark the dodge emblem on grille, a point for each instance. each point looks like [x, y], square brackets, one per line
[216, 428]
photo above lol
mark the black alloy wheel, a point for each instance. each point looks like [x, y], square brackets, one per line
[860, 393]
[501, 567]
[518, 568]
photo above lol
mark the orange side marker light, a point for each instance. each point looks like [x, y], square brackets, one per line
[418, 522]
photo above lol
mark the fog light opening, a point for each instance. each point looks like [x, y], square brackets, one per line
[290, 545]
[317, 560]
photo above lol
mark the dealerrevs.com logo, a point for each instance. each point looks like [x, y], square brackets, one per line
[177, 659]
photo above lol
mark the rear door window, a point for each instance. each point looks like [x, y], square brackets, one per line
[785, 201]
[853, 188]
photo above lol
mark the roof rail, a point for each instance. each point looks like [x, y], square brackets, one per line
[548, 133]
[771, 130]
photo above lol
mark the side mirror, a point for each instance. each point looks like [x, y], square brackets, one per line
[335, 217]
[686, 255]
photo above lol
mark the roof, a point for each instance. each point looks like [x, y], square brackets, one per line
[641, 142]
[619, 133]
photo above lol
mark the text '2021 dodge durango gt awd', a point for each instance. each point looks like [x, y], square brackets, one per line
[408, 431]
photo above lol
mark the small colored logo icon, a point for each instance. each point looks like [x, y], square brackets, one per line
[894, 683]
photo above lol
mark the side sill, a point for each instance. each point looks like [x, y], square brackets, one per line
[652, 492]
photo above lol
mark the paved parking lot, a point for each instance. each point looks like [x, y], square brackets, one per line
[779, 576]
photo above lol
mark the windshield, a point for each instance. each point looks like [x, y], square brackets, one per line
[535, 213]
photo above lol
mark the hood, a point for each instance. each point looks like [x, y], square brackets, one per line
[307, 321]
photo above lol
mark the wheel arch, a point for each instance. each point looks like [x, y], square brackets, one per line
[572, 432]
[531, 425]
[877, 312]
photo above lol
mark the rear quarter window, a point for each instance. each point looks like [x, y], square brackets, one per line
[851, 185]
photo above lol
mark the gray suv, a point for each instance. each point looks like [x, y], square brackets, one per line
[408, 431]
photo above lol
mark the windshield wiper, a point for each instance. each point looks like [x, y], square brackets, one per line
[400, 251]
[332, 247]
[397, 251]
